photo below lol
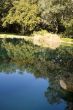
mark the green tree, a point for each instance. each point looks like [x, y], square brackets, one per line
[24, 14]
[28, 15]
[56, 12]
[5, 6]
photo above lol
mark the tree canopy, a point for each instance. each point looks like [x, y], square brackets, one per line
[24, 16]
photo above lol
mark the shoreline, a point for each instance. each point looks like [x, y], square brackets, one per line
[44, 40]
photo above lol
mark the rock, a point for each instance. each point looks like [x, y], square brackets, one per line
[63, 84]
[66, 85]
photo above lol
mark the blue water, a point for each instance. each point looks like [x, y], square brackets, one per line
[25, 92]
[30, 76]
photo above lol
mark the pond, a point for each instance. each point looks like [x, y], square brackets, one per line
[30, 76]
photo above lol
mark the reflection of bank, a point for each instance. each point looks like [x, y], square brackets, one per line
[69, 106]
[68, 97]
[67, 91]
[56, 96]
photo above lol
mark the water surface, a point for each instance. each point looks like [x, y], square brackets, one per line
[30, 75]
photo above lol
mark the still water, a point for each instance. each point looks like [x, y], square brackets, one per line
[25, 92]
[29, 78]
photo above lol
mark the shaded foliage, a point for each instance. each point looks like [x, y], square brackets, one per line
[47, 59]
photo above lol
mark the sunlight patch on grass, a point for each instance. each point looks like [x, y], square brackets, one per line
[47, 40]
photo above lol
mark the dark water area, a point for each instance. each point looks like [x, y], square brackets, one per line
[30, 76]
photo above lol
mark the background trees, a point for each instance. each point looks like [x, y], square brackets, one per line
[24, 16]
[57, 14]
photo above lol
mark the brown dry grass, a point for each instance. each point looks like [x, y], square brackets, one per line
[48, 40]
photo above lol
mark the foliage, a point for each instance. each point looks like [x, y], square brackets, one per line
[55, 12]
[69, 27]
[24, 16]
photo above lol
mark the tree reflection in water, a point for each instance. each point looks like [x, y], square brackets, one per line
[51, 64]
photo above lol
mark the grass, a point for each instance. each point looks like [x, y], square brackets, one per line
[67, 39]
[42, 38]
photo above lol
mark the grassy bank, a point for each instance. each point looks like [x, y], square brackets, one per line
[42, 38]
[67, 40]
